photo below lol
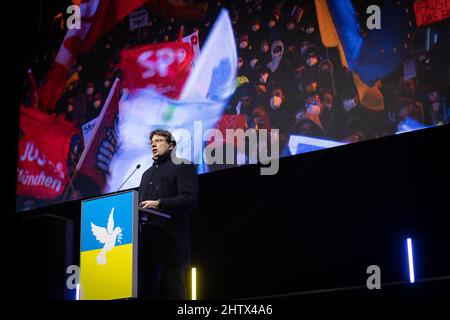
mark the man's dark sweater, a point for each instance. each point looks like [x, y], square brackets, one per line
[176, 186]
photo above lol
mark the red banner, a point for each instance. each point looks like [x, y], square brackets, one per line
[97, 18]
[162, 67]
[431, 11]
[34, 98]
[43, 154]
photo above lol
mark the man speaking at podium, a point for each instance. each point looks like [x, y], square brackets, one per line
[171, 188]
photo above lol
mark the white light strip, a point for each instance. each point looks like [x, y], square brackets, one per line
[410, 261]
[194, 283]
[295, 140]
[78, 292]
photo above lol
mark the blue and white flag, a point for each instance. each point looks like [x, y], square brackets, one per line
[202, 102]
[214, 74]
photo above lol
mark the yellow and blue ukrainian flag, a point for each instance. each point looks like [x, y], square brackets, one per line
[376, 55]
[117, 278]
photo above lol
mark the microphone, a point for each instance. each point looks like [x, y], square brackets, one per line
[137, 167]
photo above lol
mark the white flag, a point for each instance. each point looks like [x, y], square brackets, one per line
[204, 97]
[214, 73]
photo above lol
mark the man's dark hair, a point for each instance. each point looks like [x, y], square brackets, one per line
[164, 133]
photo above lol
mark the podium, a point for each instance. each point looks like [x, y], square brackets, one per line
[109, 235]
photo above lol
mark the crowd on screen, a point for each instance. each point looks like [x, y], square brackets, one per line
[287, 79]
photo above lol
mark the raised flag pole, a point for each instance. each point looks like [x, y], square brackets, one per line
[70, 186]
[94, 132]
[180, 34]
[100, 118]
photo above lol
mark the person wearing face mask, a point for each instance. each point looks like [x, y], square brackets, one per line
[90, 90]
[291, 57]
[98, 102]
[328, 117]
[240, 64]
[81, 73]
[264, 76]
[290, 34]
[255, 33]
[277, 51]
[244, 45]
[350, 103]
[314, 107]
[310, 76]
[106, 86]
[260, 118]
[406, 110]
[274, 29]
[263, 54]
[242, 100]
[312, 60]
[243, 67]
[305, 81]
[265, 47]
[69, 110]
[70, 88]
[312, 110]
[304, 46]
[260, 121]
[305, 127]
[276, 101]
[309, 85]
[83, 104]
[325, 76]
[271, 22]
[437, 108]
[261, 90]
[310, 33]
[279, 112]
[298, 73]
[245, 53]
[354, 123]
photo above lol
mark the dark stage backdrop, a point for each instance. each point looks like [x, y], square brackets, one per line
[317, 224]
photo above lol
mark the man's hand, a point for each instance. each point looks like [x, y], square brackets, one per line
[151, 204]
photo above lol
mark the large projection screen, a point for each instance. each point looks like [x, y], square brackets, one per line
[236, 82]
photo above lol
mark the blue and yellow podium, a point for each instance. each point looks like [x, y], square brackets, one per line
[109, 247]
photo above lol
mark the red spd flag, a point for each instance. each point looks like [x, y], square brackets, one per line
[43, 154]
[163, 67]
[97, 18]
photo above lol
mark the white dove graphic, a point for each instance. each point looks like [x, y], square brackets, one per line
[106, 236]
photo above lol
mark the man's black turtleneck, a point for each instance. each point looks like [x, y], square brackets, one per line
[162, 158]
[176, 186]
